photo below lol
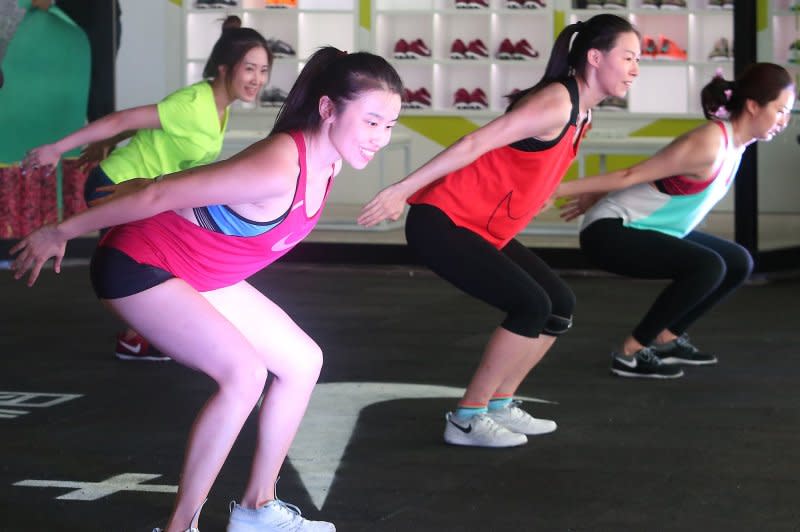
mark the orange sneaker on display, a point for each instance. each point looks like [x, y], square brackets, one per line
[668, 50]
[649, 48]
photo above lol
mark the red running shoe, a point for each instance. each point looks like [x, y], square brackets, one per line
[524, 50]
[418, 49]
[506, 50]
[476, 50]
[478, 99]
[461, 99]
[418, 99]
[669, 50]
[458, 50]
[401, 49]
[137, 348]
[649, 48]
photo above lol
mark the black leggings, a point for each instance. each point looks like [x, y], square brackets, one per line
[512, 279]
[704, 269]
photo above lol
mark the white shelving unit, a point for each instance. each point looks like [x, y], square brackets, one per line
[439, 23]
[667, 86]
[306, 27]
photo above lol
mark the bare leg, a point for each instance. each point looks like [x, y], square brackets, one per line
[507, 359]
[197, 335]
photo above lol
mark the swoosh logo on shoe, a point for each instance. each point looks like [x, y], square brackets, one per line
[133, 348]
[624, 360]
[465, 430]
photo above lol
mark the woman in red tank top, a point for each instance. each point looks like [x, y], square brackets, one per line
[342, 107]
[469, 202]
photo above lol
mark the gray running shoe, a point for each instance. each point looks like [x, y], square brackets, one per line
[480, 431]
[517, 420]
[681, 351]
[273, 517]
[643, 364]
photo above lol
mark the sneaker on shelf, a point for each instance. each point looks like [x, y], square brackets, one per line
[681, 351]
[649, 48]
[668, 50]
[418, 99]
[273, 97]
[534, 4]
[276, 4]
[614, 103]
[476, 50]
[480, 431]
[615, 4]
[673, 4]
[517, 420]
[462, 4]
[478, 99]
[276, 515]
[715, 4]
[794, 52]
[417, 49]
[721, 50]
[280, 48]
[400, 49]
[643, 364]
[594, 4]
[479, 4]
[728, 4]
[506, 50]
[137, 348]
[458, 50]
[515, 4]
[524, 51]
[461, 99]
[651, 4]
[203, 4]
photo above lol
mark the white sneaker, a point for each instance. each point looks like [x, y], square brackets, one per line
[517, 420]
[273, 517]
[480, 431]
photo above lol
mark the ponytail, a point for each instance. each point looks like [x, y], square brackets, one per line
[760, 82]
[232, 46]
[569, 54]
[340, 76]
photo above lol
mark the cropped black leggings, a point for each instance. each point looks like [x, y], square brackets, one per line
[704, 269]
[512, 279]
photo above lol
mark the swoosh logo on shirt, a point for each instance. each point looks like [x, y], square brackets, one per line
[284, 243]
[501, 212]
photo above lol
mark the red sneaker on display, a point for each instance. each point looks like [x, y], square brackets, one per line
[401, 49]
[458, 50]
[478, 99]
[476, 50]
[417, 49]
[137, 348]
[506, 50]
[524, 50]
[461, 99]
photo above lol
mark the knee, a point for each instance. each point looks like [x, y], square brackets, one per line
[557, 325]
[244, 380]
[739, 266]
[305, 363]
[527, 317]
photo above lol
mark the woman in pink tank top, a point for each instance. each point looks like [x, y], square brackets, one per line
[341, 108]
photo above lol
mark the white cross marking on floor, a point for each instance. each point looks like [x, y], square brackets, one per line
[91, 491]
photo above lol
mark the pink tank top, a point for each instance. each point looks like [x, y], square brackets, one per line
[208, 260]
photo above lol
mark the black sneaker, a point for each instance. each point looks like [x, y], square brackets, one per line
[644, 364]
[280, 48]
[681, 351]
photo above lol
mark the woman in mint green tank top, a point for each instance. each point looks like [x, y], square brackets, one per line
[641, 221]
[182, 131]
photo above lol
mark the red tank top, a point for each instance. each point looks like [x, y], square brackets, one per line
[208, 260]
[499, 193]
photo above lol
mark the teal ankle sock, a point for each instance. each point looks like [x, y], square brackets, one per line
[500, 402]
[466, 412]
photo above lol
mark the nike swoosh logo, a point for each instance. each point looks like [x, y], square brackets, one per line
[501, 212]
[133, 348]
[465, 430]
[624, 360]
[283, 244]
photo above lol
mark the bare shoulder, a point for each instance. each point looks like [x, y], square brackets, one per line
[549, 109]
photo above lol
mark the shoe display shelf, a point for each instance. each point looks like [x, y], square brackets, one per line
[463, 57]
[684, 43]
[294, 29]
[784, 45]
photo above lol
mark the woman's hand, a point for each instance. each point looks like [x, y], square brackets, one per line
[120, 189]
[33, 251]
[94, 153]
[389, 203]
[578, 205]
[45, 157]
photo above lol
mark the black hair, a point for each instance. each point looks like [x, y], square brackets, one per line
[599, 32]
[760, 82]
[340, 76]
[232, 46]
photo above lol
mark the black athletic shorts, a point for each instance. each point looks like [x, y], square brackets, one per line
[115, 274]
